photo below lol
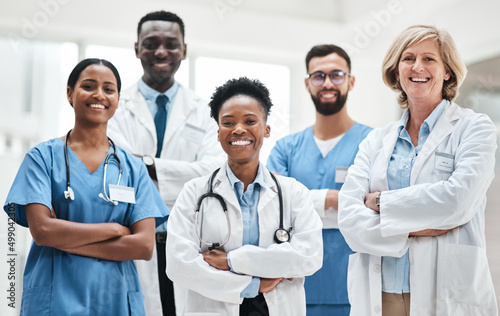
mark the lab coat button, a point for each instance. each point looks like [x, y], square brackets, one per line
[376, 268]
[376, 309]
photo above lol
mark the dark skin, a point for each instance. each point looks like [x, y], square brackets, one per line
[95, 100]
[161, 49]
[241, 118]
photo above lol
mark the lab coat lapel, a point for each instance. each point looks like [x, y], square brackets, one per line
[223, 188]
[388, 144]
[180, 110]
[136, 104]
[444, 126]
[269, 193]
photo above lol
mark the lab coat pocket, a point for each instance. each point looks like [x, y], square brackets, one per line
[136, 303]
[464, 276]
[353, 270]
[36, 301]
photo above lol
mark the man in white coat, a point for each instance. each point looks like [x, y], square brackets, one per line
[168, 126]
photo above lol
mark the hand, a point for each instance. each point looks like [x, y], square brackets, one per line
[267, 285]
[430, 232]
[122, 230]
[332, 199]
[216, 258]
[370, 201]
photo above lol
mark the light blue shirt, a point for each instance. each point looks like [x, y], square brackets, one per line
[150, 95]
[249, 202]
[396, 271]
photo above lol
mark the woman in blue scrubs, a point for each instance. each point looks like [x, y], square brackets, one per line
[86, 233]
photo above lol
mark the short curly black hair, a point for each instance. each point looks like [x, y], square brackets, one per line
[161, 16]
[242, 86]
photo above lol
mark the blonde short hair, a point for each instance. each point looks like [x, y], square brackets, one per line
[449, 54]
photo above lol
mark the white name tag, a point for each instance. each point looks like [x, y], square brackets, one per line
[444, 162]
[121, 193]
[340, 174]
[193, 133]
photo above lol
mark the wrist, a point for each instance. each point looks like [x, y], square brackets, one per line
[150, 165]
[377, 199]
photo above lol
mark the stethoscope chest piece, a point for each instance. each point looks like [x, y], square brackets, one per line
[69, 194]
[281, 235]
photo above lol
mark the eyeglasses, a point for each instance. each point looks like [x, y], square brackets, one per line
[337, 77]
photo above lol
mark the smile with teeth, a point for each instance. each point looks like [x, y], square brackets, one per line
[97, 106]
[328, 95]
[240, 142]
[419, 79]
[161, 65]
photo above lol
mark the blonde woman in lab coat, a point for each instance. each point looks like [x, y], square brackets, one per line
[251, 274]
[412, 206]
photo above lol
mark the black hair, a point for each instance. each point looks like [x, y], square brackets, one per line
[324, 50]
[75, 73]
[161, 16]
[242, 86]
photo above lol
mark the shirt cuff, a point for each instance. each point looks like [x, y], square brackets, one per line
[252, 289]
[229, 263]
[318, 197]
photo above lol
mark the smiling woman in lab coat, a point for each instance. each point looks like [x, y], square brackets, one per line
[251, 274]
[413, 202]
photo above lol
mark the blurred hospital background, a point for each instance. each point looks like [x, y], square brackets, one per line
[42, 40]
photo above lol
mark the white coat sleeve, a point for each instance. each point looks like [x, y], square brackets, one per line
[173, 174]
[185, 264]
[300, 257]
[449, 203]
[360, 225]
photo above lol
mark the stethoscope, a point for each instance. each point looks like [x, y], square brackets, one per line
[69, 194]
[281, 235]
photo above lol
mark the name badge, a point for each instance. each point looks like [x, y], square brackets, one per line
[193, 133]
[444, 162]
[340, 174]
[121, 193]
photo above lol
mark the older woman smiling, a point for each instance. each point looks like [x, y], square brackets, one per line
[413, 202]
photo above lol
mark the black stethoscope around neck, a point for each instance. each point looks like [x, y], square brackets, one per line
[281, 235]
[70, 194]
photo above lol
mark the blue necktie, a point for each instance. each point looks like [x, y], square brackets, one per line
[160, 122]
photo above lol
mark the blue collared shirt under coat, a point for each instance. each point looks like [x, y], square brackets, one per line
[150, 96]
[249, 202]
[396, 271]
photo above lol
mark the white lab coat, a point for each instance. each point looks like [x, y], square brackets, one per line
[449, 274]
[190, 149]
[209, 290]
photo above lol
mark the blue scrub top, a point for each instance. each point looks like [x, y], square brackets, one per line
[59, 283]
[299, 157]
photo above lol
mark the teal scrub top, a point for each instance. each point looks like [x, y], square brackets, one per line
[56, 282]
[299, 157]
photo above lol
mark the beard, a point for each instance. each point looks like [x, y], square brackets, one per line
[330, 108]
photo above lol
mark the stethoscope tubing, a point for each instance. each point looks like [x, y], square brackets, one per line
[69, 193]
[210, 193]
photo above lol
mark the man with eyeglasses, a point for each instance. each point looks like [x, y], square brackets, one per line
[318, 157]
[170, 127]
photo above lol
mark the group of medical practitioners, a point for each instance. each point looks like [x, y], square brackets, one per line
[139, 211]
